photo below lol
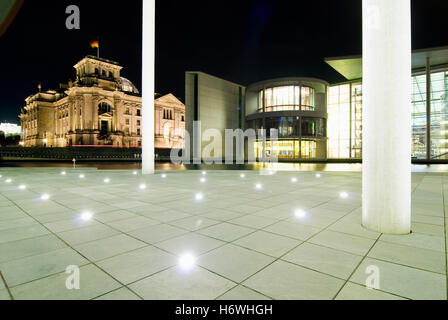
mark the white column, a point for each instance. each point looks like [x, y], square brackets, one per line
[387, 71]
[148, 66]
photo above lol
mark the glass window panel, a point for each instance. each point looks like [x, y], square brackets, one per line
[439, 116]
[419, 117]
[288, 98]
[338, 123]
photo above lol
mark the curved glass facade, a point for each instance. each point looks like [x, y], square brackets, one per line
[292, 127]
[296, 108]
[287, 98]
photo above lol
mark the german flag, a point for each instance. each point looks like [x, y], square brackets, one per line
[95, 44]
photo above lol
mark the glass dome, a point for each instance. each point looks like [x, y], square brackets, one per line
[128, 86]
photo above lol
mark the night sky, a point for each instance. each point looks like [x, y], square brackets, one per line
[242, 41]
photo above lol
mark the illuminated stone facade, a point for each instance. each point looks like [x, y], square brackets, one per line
[100, 108]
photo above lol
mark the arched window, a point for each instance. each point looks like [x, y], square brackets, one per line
[103, 107]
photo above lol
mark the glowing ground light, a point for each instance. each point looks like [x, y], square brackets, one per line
[203, 180]
[242, 176]
[8, 180]
[142, 186]
[107, 180]
[81, 176]
[318, 175]
[163, 176]
[343, 195]
[300, 214]
[199, 196]
[204, 173]
[187, 262]
[86, 216]
[22, 187]
[63, 173]
[259, 186]
[199, 223]
[135, 173]
[293, 180]
[44, 197]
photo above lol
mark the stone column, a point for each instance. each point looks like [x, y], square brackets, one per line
[148, 66]
[95, 118]
[387, 68]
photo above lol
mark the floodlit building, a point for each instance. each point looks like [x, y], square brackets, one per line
[217, 103]
[428, 106]
[321, 121]
[100, 108]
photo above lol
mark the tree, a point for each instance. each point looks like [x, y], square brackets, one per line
[2, 139]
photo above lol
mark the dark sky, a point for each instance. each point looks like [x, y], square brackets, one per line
[242, 41]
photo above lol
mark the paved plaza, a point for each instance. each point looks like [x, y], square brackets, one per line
[212, 235]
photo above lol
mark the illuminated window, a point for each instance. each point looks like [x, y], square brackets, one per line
[307, 99]
[287, 149]
[439, 116]
[338, 128]
[356, 142]
[167, 131]
[287, 98]
[419, 117]
[127, 121]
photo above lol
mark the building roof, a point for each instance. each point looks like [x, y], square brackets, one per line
[127, 86]
[351, 66]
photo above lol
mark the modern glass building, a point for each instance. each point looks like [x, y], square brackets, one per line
[297, 108]
[321, 121]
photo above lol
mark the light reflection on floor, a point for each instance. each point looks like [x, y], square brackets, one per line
[324, 167]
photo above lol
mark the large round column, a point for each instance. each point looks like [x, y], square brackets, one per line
[387, 71]
[148, 66]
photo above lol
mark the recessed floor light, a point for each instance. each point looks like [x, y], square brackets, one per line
[81, 176]
[300, 214]
[135, 173]
[242, 176]
[343, 195]
[163, 176]
[8, 180]
[199, 196]
[22, 187]
[107, 180]
[318, 175]
[259, 186]
[63, 173]
[44, 197]
[293, 180]
[86, 216]
[187, 262]
[203, 180]
[142, 186]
